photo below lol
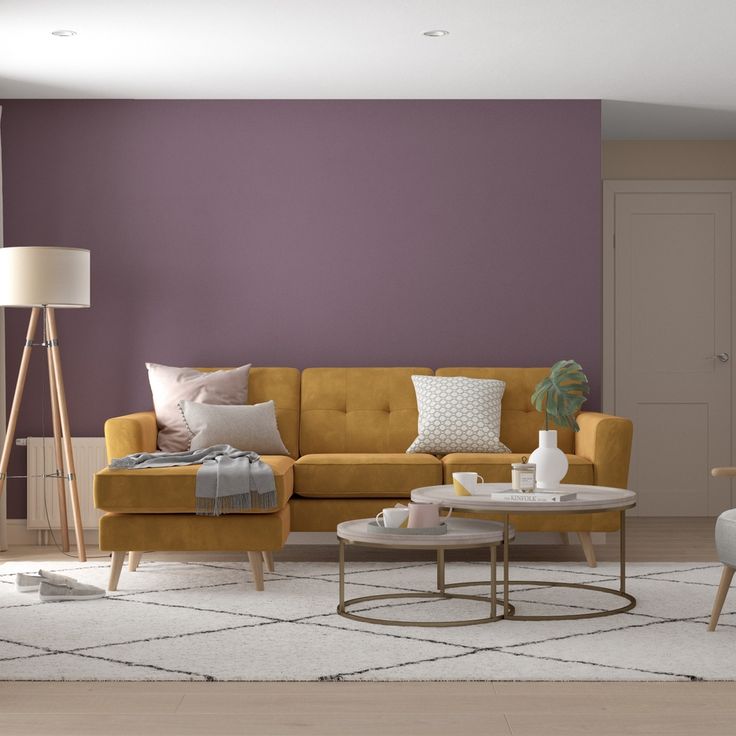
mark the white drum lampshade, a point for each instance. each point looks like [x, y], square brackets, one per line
[37, 276]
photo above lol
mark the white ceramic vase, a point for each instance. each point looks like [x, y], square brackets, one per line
[550, 461]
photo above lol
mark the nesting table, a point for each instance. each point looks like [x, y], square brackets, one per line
[589, 499]
[461, 534]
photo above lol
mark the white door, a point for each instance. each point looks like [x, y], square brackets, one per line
[672, 344]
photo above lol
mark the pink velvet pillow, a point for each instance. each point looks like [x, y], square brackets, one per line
[171, 385]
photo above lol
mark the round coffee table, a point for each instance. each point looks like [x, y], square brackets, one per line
[589, 499]
[461, 534]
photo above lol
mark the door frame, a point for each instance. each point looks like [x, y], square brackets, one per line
[4, 499]
[612, 187]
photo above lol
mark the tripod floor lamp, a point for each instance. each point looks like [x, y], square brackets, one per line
[44, 279]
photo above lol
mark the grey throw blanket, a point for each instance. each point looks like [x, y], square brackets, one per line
[229, 479]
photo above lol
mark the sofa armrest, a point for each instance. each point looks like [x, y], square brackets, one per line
[605, 440]
[131, 433]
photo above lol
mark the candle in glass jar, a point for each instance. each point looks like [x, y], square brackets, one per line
[523, 477]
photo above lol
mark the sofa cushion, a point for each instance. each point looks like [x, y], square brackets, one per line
[364, 475]
[496, 468]
[520, 421]
[358, 409]
[171, 490]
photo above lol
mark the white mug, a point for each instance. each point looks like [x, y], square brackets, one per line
[466, 483]
[392, 518]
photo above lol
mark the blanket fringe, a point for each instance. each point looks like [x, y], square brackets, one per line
[248, 501]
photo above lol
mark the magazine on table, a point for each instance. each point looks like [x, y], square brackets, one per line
[534, 496]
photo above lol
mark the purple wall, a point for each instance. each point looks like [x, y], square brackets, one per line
[306, 233]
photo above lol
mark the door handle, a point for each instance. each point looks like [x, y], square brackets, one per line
[723, 357]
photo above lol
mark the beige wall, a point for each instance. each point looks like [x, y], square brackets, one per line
[669, 159]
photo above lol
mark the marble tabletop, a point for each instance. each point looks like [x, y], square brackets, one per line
[460, 533]
[589, 498]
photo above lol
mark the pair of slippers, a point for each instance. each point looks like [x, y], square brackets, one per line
[53, 587]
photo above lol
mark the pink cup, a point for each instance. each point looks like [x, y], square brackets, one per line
[422, 515]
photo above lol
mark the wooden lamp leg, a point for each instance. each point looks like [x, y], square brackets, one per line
[18, 396]
[66, 434]
[60, 487]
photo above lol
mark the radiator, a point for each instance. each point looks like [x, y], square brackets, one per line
[89, 457]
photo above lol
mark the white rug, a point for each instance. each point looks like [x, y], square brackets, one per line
[205, 621]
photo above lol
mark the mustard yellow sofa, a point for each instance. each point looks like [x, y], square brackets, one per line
[347, 430]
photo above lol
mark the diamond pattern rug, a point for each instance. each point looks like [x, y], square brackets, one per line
[205, 621]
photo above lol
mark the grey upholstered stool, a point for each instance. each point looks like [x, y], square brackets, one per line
[726, 546]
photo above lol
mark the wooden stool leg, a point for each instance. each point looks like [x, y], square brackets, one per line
[115, 567]
[256, 566]
[268, 559]
[66, 434]
[588, 549]
[726, 577]
[56, 423]
[133, 559]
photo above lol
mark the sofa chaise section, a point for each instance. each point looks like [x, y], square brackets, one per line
[154, 509]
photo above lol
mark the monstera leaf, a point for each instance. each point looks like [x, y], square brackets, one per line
[561, 394]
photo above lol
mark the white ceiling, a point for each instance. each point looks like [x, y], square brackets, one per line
[664, 68]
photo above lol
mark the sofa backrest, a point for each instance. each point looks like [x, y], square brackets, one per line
[358, 409]
[282, 385]
[520, 421]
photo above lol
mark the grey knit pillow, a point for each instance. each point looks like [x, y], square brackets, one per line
[251, 428]
[458, 415]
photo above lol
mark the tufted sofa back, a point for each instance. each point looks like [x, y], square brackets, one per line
[375, 409]
[358, 409]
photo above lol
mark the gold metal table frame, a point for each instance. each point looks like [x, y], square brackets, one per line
[509, 612]
[441, 593]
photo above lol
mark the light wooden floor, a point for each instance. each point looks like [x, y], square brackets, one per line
[389, 709]
[363, 709]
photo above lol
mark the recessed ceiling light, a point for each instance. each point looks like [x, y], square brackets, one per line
[436, 34]
[63, 33]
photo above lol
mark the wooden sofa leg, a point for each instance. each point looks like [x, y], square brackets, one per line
[133, 559]
[256, 567]
[268, 559]
[588, 549]
[726, 577]
[115, 567]
[565, 537]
